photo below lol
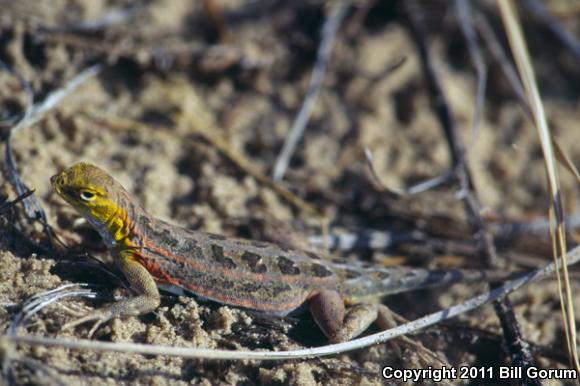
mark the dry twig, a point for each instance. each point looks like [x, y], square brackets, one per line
[463, 9]
[538, 9]
[329, 31]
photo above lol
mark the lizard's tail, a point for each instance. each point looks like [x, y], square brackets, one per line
[386, 281]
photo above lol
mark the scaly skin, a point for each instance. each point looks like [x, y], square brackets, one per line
[244, 273]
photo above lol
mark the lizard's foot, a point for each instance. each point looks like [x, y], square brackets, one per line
[148, 300]
[385, 317]
[99, 316]
[135, 306]
[339, 325]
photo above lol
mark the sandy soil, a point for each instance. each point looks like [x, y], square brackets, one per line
[171, 72]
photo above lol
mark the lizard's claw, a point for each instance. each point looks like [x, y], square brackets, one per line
[98, 316]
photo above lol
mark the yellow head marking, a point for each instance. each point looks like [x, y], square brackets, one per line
[97, 196]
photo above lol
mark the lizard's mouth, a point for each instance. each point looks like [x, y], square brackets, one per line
[59, 184]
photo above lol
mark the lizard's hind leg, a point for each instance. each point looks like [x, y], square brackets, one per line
[337, 323]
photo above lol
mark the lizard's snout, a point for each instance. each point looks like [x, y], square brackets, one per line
[58, 180]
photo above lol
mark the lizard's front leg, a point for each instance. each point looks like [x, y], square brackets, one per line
[141, 282]
[337, 323]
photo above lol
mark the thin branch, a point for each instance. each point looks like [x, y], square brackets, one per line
[466, 23]
[329, 31]
[541, 226]
[10, 204]
[26, 87]
[513, 336]
[32, 207]
[538, 9]
[56, 97]
[496, 49]
[365, 239]
[417, 188]
[31, 204]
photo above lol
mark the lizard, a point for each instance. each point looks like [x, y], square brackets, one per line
[343, 299]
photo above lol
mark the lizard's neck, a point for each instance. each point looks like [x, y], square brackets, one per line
[117, 229]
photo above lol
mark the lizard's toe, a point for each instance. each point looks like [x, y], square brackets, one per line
[99, 317]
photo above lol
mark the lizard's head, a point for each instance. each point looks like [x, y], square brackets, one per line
[90, 190]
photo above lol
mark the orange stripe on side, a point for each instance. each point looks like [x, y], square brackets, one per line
[209, 293]
[162, 277]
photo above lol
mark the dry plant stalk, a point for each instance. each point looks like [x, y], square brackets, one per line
[557, 226]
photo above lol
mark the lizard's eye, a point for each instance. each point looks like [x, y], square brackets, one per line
[87, 195]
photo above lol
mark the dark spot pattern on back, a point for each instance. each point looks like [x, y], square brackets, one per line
[220, 256]
[312, 255]
[254, 262]
[169, 239]
[320, 270]
[196, 253]
[287, 266]
[190, 244]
